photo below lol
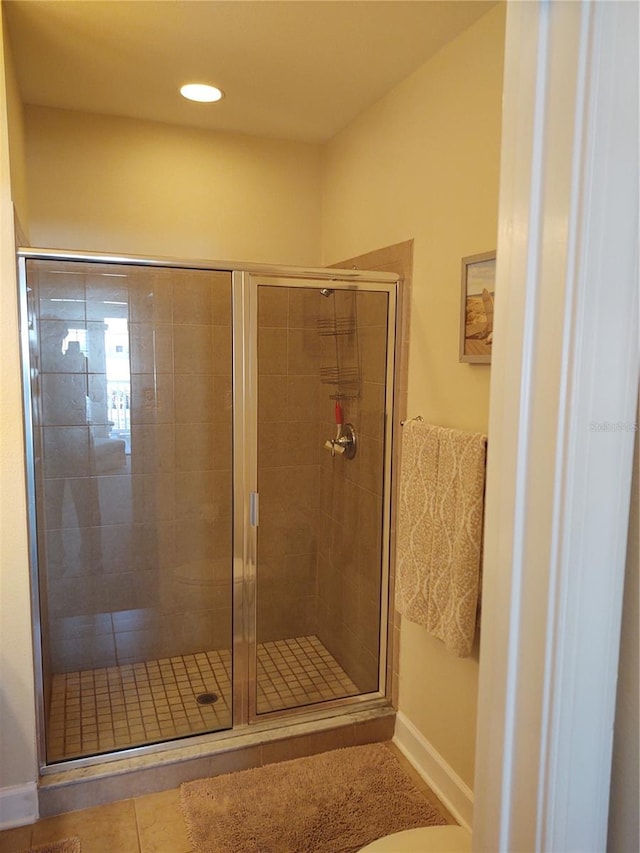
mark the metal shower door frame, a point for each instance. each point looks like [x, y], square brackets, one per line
[246, 496]
[245, 281]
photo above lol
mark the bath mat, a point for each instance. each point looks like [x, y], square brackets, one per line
[335, 802]
[67, 845]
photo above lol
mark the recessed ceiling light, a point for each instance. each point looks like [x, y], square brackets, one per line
[201, 92]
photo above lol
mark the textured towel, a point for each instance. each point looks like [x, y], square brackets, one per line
[440, 531]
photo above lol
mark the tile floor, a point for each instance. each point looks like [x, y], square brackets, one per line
[101, 710]
[149, 824]
[299, 671]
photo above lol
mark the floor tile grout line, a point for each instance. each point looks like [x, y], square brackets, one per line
[294, 672]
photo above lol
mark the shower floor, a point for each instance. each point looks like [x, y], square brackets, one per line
[119, 707]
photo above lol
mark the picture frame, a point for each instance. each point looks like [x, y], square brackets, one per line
[476, 307]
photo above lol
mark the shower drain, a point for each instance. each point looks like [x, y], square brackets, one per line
[207, 698]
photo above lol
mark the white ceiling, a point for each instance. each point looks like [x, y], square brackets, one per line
[292, 69]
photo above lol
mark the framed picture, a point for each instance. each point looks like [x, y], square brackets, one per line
[476, 308]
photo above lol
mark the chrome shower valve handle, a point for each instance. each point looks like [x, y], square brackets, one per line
[345, 443]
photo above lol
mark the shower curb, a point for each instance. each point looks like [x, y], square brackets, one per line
[134, 776]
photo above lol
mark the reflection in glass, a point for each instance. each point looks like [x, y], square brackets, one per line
[131, 395]
[133, 495]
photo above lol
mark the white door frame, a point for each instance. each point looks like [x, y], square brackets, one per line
[563, 397]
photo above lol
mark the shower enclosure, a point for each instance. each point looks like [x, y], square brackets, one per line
[209, 473]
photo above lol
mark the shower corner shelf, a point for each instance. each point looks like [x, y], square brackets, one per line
[333, 326]
[339, 375]
[346, 381]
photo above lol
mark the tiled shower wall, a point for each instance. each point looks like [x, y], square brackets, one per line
[137, 546]
[319, 540]
[350, 536]
[134, 533]
[290, 402]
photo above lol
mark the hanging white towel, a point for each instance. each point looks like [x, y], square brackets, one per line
[439, 542]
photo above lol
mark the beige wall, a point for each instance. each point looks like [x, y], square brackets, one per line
[17, 718]
[17, 153]
[423, 163]
[121, 185]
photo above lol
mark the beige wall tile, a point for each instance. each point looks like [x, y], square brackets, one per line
[306, 399]
[372, 309]
[273, 445]
[114, 545]
[371, 461]
[372, 410]
[201, 539]
[64, 399]
[194, 447]
[297, 747]
[66, 451]
[375, 731]
[152, 398]
[151, 347]
[372, 342]
[351, 510]
[369, 516]
[153, 448]
[106, 297]
[272, 398]
[301, 484]
[192, 297]
[194, 400]
[120, 499]
[193, 349]
[222, 363]
[273, 307]
[51, 334]
[303, 352]
[194, 495]
[221, 297]
[302, 569]
[70, 502]
[222, 399]
[222, 434]
[272, 351]
[304, 307]
[304, 443]
[150, 294]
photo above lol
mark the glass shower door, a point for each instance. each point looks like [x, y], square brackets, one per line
[132, 431]
[324, 372]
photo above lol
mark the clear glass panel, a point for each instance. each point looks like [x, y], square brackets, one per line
[131, 389]
[319, 558]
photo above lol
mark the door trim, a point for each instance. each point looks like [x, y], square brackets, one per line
[565, 365]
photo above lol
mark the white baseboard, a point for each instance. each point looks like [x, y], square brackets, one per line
[439, 776]
[18, 805]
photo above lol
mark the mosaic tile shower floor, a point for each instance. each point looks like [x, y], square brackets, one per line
[120, 707]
